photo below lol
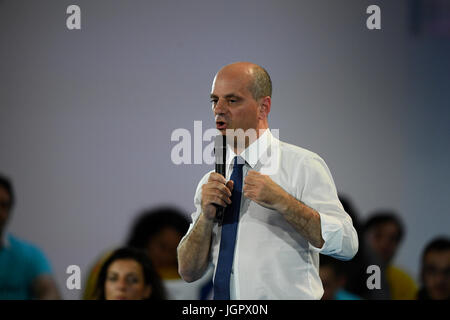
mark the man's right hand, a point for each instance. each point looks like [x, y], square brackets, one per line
[217, 191]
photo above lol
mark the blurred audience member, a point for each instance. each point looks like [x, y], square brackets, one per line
[357, 267]
[332, 272]
[384, 232]
[159, 231]
[128, 274]
[92, 278]
[435, 270]
[25, 273]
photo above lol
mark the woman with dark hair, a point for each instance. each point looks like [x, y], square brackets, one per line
[158, 231]
[128, 274]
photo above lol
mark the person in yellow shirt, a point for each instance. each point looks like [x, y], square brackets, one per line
[384, 232]
[401, 285]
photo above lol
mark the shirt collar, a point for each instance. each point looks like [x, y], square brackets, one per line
[253, 152]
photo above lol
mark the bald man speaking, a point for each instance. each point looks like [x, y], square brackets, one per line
[282, 207]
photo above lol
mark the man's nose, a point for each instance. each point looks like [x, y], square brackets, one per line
[220, 107]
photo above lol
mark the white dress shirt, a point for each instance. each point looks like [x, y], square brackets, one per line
[272, 260]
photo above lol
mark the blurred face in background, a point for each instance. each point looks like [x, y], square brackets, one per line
[162, 248]
[125, 281]
[5, 206]
[384, 240]
[436, 274]
[331, 282]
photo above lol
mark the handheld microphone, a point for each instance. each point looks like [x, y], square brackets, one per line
[220, 152]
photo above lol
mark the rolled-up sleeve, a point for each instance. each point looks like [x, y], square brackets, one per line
[319, 192]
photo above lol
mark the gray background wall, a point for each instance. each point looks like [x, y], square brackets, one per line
[86, 116]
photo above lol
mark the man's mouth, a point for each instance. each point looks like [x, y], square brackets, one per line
[221, 125]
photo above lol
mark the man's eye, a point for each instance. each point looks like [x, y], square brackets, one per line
[213, 101]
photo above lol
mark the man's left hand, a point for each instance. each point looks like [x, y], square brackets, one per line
[263, 190]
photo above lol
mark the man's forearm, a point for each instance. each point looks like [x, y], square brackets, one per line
[193, 251]
[303, 218]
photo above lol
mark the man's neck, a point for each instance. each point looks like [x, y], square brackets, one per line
[239, 149]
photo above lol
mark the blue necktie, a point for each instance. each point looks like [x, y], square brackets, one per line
[228, 237]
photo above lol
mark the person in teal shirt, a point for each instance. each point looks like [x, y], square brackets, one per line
[25, 273]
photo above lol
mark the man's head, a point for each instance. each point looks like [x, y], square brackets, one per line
[7, 200]
[435, 271]
[383, 232]
[241, 97]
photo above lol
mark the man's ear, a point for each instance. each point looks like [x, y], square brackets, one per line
[264, 107]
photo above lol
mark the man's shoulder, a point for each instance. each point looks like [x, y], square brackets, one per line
[294, 152]
[23, 247]
[399, 274]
